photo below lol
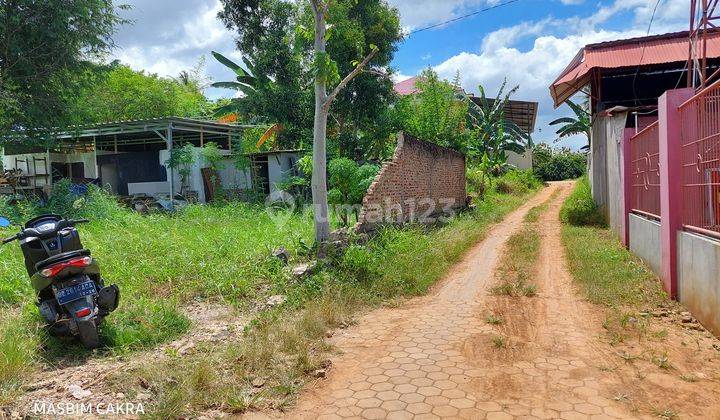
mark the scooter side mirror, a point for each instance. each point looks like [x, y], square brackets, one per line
[4, 222]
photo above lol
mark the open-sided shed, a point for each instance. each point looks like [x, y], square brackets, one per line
[129, 157]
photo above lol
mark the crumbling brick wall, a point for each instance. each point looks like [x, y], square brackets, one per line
[423, 181]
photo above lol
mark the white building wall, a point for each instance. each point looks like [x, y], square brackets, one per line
[24, 162]
[521, 161]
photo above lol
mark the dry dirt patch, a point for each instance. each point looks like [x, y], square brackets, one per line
[439, 357]
[92, 382]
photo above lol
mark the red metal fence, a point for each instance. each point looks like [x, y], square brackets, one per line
[645, 171]
[700, 140]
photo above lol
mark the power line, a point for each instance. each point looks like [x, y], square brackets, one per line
[477, 12]
[642, 55]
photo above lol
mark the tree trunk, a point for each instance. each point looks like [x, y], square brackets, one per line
[319, 178]
[323, 100]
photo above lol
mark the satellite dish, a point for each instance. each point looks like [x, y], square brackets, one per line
[4, 222]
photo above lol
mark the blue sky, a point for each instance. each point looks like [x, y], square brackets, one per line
[528, 42]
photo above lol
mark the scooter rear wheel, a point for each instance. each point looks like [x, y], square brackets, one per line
[89, 336]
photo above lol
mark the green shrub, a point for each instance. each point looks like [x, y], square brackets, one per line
[503, 187]
[476, 182]
[96, 203]
[580, 209]
[558, 164]
[348, 183]
[522, 181]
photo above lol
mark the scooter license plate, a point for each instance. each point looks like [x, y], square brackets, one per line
[73, 293]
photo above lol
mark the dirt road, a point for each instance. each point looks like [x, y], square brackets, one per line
[435, 356]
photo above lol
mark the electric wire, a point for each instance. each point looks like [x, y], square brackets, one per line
[477, 12]
[642, 54]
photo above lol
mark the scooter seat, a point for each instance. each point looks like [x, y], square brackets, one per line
[61, 257]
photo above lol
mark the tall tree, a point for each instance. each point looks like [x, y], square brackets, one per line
[276, 38]
[298, 44]
[265, 35]
[42, 44]
[325, 70]
[358, 109]
[116, 92]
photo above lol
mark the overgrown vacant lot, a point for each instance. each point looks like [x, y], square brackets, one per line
[222, 254]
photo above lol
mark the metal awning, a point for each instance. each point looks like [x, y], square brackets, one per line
[627, 53]
[522, 113]
[133, 131]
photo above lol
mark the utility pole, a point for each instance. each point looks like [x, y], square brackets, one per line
[704, 18]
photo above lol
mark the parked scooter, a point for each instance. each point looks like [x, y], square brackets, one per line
[72, 296]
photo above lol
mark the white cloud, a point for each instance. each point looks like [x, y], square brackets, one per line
[399, 77]
[417, 13]
[535, 69]
[168, 36]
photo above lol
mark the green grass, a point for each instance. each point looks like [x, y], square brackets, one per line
[493, 319]
[499, 342]
[609, 275]
[606, 271]
[160, 262]
[222, 253]
[408, 261]
[517, 264]
[579, 209]
[284, 347]
[18, 357]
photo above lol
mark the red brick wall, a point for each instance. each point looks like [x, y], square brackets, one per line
[422, 181]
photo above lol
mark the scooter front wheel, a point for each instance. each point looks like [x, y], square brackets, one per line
[88, 332]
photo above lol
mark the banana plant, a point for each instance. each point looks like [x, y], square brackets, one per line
[493, 135]
[246, 82]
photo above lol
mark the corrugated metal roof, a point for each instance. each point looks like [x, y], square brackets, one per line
[645, 51]
[406, 87]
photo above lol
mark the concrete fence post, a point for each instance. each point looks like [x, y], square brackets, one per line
[670, 183]
[625, 174]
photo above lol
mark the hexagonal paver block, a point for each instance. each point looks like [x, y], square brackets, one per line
[419, 408]
[383, 386]
[429, 391]
[395, 405]
[445, 384]
[445, 411]
[374, 413]
[388, 395]
[413, 397]
[586, 408]
[497, 415]
[366, 393]
[405, 388]
[359, 386]
[422, 382]
[462, 403]
[438, 376]
[369, 403]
